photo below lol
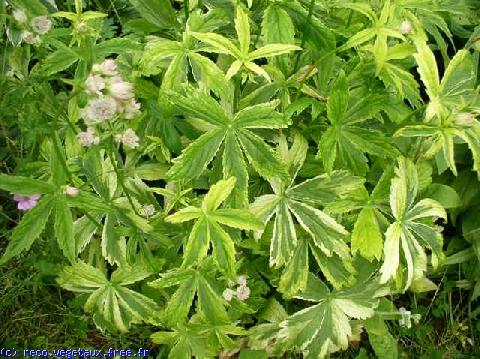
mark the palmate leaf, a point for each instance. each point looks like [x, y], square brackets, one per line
[192, 283]
[186, 341]
[184, 56]
[115, 307]
[208, 230]
[444, 117]
[413, 229]
[324, 327]
[291, 204]
[443, 137]
[243, 56]
[345, 140]
[457, 86]
[235, 132]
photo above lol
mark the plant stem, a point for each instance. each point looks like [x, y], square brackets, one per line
[112, 157]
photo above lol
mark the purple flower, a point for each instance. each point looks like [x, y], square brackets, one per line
[26, 202]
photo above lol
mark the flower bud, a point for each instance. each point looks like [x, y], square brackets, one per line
[42, 24]
[243, 292]
[87, 138]
[107, 67]
[71, 191]
[406, 27]
[130, 138]
[30, 38]
[228, 294]
[121, 90]
[130, 109]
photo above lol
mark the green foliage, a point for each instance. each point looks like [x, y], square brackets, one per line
[248, 178]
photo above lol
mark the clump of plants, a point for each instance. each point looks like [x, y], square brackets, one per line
[248, 178]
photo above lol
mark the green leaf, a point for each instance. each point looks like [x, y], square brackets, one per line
[382, 341]
[366, 236]
[217, 194]
[223, 249]
[261, 116]
[157, 12]
[117, 46]
[337, 103]
[412, 229]
[284, 238]
[324, 328]
[64, 228]
[277, 28]
[221, 44]
[58, 61]
[237, 218]
[198, 243]
[29, 229]
[242, 28]
[196, 104]
[294, 277]
[115, 307]
[233, 164]
[263, 159]
[272, 50]
[24, 185]
[200, 152]
[326, 187]
[427, 68]
[113, 246]
[190, 282]
[444, 194]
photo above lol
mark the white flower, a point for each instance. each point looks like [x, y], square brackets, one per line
[20, 16]
[405, 320]
[243, 292]
[242, 280]
[147, 210]
[71, 191]
[121, 90]
[30, 38]
[42, 24]
[405, 27]
[88, 138]
[99, 110]
[95, 84]
[107, 67]
[130, 138]
[130, 109]
[228, 294]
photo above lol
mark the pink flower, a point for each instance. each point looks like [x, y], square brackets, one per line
[130, 109]
[95, 84]
[107, 67]
[24, 203]
[71, 191]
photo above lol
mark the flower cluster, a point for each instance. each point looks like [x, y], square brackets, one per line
[242, 292]
[39, 25]
[112, 94]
